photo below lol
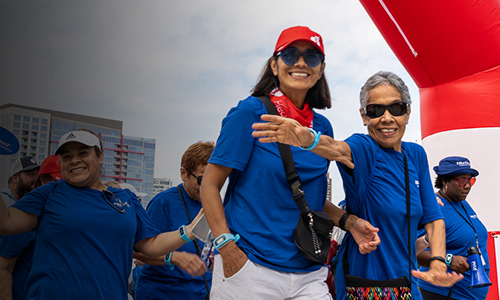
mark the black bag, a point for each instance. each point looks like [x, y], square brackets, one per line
[312, 235]
[313, 232]
[358, 288]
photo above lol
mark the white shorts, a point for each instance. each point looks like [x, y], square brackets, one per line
[254, 282]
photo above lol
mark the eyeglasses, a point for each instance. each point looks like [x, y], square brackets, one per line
[463, 181]
[396, 109]
[197, 178]
[113, 201]
[291, 55]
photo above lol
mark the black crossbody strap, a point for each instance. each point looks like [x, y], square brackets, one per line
[287, 158]
[197, 246]
[408, 215]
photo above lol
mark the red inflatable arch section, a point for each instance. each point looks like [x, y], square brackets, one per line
[451, 49]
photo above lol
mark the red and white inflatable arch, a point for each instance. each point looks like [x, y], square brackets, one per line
[451, 49]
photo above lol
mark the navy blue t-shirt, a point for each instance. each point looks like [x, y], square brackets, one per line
[159, 282]
[258, 201]
[84, 246]
[21, 246]
[376, 192]
[460, 236]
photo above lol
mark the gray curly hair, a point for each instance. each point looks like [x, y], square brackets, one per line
[384, 77]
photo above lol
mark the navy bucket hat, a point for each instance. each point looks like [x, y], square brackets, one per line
[455, 165]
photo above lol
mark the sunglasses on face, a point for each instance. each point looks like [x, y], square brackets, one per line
[291, 55]
[198, 179]
[113, 201]
[396, 109]
[464, 181]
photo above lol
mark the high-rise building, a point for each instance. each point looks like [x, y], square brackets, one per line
[126, 159]
[161, 184]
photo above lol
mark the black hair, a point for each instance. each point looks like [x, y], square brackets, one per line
[317, 97]
[438, 183]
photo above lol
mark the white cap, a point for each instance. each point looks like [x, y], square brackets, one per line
[79, 136]
[128, 186]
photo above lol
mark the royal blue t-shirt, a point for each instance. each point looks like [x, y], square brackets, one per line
[460, 236]
[258, 201]
[84, 246]
[159, 282]
[22, 246]
[376, 192]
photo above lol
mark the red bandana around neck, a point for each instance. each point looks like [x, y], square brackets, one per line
[286, 109]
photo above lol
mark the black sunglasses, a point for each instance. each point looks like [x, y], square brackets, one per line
[396, 109]
[197, 178]
[291, 55]
[115, 202]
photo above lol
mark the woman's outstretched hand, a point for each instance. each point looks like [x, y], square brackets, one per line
[282, 130]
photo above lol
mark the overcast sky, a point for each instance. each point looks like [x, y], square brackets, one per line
[171, 70]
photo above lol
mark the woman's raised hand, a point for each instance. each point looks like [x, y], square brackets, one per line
[282, 130]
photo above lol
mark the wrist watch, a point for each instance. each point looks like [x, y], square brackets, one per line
[183, 234]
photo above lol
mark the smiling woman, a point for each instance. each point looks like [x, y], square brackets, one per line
[259, 204]
[92, 226]
[383, 177]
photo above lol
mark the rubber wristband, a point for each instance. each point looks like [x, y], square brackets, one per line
[316, 140]
[440, 258]
[449, 257]
[223, 239]
[426, 242]
[342, 220]
[183, 234]
[167, 259]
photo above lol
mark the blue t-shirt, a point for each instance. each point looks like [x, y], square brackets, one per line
[376, 192]
[159, 282]
[22, 246]
[258, 201]
[84, 246]
[459, 237]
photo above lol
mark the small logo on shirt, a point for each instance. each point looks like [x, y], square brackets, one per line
[417, 183]
[473, 217]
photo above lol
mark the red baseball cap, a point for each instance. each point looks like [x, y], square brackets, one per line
[299, 33]
[52, 166]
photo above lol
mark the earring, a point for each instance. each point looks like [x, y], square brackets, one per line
[445, 188]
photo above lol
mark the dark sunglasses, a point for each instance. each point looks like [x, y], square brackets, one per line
[197, 178]
[291, 55]
[113, 201]
[463, 181]
[396, 109]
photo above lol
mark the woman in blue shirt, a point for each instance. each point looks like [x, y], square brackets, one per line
[455, 179]
[86, 231]
[373, 168]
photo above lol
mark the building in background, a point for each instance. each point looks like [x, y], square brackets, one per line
[161, 184]
[126, 159]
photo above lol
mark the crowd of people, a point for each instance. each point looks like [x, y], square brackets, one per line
[68, 235]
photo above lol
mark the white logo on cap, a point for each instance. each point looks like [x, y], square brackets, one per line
[463, 163]
[71, 136]
[33, 161]
[316, 40]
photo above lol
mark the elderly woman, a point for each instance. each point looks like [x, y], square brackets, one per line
[373, 171]
[86, 231]
[454, 180]
[265, 263]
